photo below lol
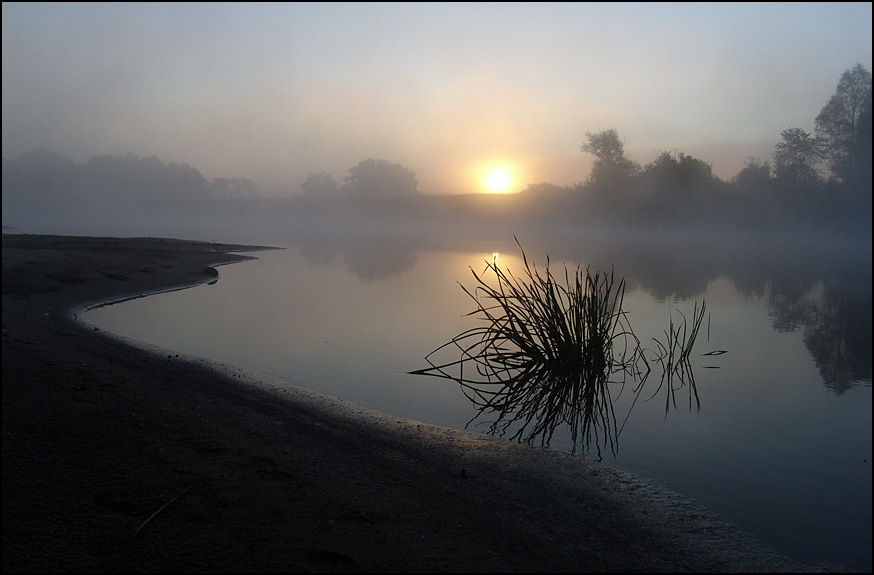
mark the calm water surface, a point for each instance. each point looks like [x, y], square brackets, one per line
[781, 445]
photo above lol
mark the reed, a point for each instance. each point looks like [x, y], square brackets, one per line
[546, 353]
[673, 353]
[551, 351]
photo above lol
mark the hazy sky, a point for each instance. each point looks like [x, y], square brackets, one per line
[275, 91]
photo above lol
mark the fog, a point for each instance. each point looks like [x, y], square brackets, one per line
[342, 128]
[44, 192]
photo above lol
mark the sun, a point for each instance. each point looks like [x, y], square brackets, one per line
[498, 180]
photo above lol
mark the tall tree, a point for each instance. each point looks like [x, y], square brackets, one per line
[844, 126]
[611, 166]
[795, 158]
[755, 175]
[678, 170]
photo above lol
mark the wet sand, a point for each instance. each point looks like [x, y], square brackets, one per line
[116, 458]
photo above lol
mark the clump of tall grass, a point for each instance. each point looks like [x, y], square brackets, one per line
[550, 350]
[546, 353]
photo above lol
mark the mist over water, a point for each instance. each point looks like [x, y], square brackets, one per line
[368, 286]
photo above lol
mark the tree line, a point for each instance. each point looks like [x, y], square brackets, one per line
[816, 178]
[821, 180]
[44, 179]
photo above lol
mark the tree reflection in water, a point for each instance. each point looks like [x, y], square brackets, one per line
[836, 323]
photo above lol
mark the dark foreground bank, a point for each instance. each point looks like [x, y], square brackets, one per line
[118, 459]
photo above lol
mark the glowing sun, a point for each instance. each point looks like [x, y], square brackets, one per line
[498, 180]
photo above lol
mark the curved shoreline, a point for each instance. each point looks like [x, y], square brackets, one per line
[97, 435]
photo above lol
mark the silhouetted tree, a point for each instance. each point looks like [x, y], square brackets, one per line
[381, 178]
[611, 167]
[795, 158]
[679, 172]
[47, 173]
[844, 127]
[755, 175]
[130, 178]
[751, 201]
[320, 184]
[46, 181]
[185, 181]
[864, 150]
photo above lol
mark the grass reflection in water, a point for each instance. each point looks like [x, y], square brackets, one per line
[551, 352]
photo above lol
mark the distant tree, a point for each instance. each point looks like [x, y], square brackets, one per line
[611, 167]
[45, 172]
[320, 184]
[844, 127]
[130, 178]
[41, 160]
[750, 199]
[678, 170]
[381, 178]
[40, 181]
[755, 175]
[796, 158]
[184, 182]
[864, 147]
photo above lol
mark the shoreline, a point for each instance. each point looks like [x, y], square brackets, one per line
[99, 435]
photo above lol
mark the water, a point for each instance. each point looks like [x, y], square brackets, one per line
[781, 445]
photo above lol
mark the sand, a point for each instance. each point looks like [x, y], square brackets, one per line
[117, 458]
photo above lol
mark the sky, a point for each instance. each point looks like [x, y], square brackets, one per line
[275, 92]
